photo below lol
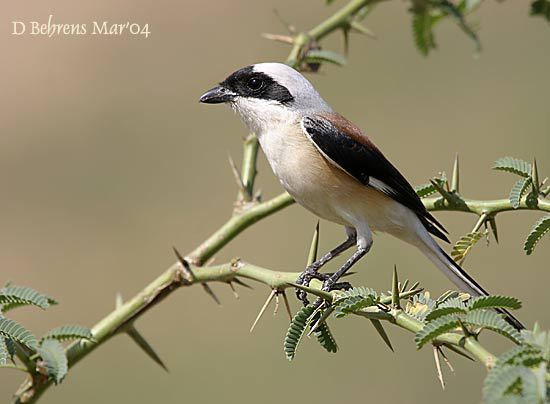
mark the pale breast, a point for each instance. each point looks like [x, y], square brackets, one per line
[325, 189]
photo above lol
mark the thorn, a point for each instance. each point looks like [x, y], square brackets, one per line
[414, 286]
[455, 179]
[186, 268]
[445, 359]
[361, 29]
[233, 290]
[380, 329]
[442, 191]
[465, 330]
[493, 225]
[317, 310]
[264, 307]
[404, 286]
[395, 289]
[459, 352]
[535, 177]
[480, 222]
[287, 305]
[321, 320]
[118, 300]
[237, 176]
[189, 276]
[276, 304]
[239, 282]
[210, 292]
[289, 27]
[345, 33]
[438, 367]
[145, 346]
[278, 38]
[312, 255]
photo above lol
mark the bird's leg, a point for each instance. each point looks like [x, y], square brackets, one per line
[330, 283]
[312, 270]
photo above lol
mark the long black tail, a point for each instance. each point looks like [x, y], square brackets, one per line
[459, 276]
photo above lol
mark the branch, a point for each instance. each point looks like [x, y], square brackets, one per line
[176, 275]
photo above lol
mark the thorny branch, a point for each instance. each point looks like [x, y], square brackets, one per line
[189, 271]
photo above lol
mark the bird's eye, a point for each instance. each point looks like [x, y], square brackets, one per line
[255, 84]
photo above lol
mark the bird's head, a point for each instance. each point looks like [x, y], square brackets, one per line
[265, 93]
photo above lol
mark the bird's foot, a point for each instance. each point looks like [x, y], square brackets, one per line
[331, 284]
[305, 278]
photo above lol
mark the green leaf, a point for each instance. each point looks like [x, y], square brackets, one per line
[538, 339]
[541, 8]
[492, 321]
[325, 337]
[69, 332]
[539, 229]
[467, 6]
[17, 332]
[518, 354]
[443, 311]
[428, 189]
[319, 56]
[435, 328]
[518, 190]
[361, 291]
[454, 302]
[422, 24]
[296, 330]
[425, 190]
[14, 296]
[494, 302]
[354, 299]
[4, 353]
[464, 245]
[513, 165]
[54, 360]
[455, 12]
[507, 382]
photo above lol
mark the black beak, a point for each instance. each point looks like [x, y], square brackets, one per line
[217, 95]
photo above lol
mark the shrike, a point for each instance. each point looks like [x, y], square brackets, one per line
[329, 166]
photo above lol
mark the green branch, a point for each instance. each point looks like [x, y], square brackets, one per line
[251, 212]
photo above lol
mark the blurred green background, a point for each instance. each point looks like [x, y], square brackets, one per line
[107, 160]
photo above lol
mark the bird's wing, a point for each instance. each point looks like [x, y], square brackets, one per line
[348, 148]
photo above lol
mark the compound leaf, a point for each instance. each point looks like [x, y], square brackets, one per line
[494, 302]
[422, 24]
[464, 245]
[296, 330]
[435, 328]
[539, 229]
[518, 190]
[325, 337]
[17, 332]
[54, 360]
[69, 332]
[513, 165]
[13, 296]
[492, 321]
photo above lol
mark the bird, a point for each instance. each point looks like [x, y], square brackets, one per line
[333, 169]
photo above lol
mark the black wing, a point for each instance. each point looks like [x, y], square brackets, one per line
[367, 164]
